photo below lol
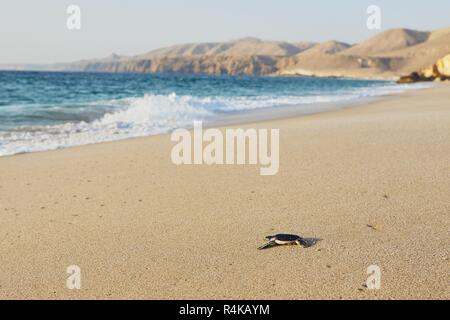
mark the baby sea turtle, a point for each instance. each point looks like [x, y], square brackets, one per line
[285, 239]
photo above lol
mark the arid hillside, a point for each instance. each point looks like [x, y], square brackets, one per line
[387, 55]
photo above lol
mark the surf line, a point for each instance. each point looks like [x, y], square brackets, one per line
[191, 150]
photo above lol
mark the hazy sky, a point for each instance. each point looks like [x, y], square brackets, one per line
[35, 31]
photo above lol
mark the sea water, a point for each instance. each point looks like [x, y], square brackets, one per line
[51, 110]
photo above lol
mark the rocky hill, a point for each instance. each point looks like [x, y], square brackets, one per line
[235, 48]
[329, 47]
[389, 54]
[388, 41]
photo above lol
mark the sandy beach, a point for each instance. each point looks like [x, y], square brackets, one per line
[372, 181]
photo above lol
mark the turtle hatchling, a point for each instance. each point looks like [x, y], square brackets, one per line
[283, 240]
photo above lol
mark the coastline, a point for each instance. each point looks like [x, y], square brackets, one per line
[286, 112]
[370, 181]
[94, 133]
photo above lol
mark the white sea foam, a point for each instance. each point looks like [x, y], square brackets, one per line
[157, 114]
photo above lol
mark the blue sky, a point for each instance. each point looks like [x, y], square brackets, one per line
[35, 31]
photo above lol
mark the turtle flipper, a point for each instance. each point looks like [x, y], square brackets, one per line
[268, 245]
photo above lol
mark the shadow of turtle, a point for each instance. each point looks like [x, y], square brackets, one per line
[310, 242]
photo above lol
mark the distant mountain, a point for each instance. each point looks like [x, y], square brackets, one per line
[237, 48]
[423, 54]
[388, 54]
[387, 41]
[329, 47]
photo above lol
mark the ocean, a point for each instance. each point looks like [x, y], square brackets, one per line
[51, 110]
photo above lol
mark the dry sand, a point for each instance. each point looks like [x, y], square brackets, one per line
[373, 182]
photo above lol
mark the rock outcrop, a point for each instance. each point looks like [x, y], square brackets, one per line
[440, 71]
[443, 66]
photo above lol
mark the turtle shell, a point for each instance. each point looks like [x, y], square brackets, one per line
[287, 237]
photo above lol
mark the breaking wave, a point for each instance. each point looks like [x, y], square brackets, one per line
[118, 119]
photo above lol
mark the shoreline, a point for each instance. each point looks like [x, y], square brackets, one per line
[370, 181]
[246, 117]
[287, 112]
[274, 75]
